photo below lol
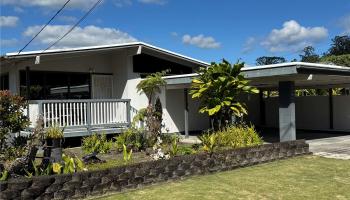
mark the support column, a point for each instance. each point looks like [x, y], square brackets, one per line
[287, 128]
[186, 112]
[330, 96]
[262, 108]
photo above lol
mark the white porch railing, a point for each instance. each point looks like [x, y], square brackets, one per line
[81, 113]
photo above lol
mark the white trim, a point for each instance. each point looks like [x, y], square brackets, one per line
[102, 47]
[181, 76]
[326, 66]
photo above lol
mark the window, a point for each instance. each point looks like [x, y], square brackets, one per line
[55, 85]
[4, 82]
[146, 64]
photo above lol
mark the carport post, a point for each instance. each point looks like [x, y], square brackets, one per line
[186, 112]
[286, 90]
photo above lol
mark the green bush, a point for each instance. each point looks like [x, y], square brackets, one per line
[186, 150]
[238, 136]
[97, 143]
[12, 118]
[231, 137]
[133, 138]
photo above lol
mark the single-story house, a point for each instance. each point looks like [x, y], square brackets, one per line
[93, 89]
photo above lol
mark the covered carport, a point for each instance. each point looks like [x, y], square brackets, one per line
[286, 78]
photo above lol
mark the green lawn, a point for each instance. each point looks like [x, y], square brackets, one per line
[307, 177]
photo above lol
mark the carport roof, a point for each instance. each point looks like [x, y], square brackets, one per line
[305, 75]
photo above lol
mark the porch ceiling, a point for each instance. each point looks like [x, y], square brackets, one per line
[305, 75]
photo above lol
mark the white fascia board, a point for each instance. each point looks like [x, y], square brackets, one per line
[297, 64]
[103, 47]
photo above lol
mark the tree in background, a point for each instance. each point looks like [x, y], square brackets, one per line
[217, 88]
[340, 46]
[309, 55]
[341, 60]
[269, 60]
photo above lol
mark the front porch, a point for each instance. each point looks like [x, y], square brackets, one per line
[82, 117]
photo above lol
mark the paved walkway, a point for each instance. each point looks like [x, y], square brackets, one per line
[333, 147]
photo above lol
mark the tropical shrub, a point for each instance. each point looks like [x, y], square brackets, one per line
[71, 164]
[97, 143]
[209, 141]
[38, 170]
[12, 118]
[186, 150]
[233, 136]
[238, 136]
[133, 138]
[217, 88]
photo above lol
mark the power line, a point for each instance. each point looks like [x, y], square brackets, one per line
[75, 25]
[64, 5]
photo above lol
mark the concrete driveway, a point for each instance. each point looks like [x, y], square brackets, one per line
[332, 147]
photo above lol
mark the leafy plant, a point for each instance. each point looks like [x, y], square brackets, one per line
[19, 141]
[133, 138]
[217, 88]
[186, 150]
[38, 171]
[126, 155]
[71, 164]
[54, 132]
[230, 137]
[11, 153]
[151, 85]
[209, 142]
[238, 136]
[12, 118]
[96, 143]
[4, 175]
[57, 168]
[174, 148]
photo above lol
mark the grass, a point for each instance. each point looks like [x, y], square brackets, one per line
[307, 177]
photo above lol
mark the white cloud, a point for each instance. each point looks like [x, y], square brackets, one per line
[345, 24]
[293, 37]
[76, 4]
[8, 21]
[174, 34]
[68, 19]
[8, 42]
[249, 45]
[201, 41]
[159, 2]
[79, 37]
[18, 9]
[122, 3]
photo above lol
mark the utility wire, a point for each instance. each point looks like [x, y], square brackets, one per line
[64, 5]
[75, 25]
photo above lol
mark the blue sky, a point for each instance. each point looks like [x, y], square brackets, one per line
[204, 29]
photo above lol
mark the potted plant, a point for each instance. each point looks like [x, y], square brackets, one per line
[54, 136]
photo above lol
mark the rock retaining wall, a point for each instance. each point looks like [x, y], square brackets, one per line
[83, 184]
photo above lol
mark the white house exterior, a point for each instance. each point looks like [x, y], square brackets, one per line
[107, 75]
[93, 89]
